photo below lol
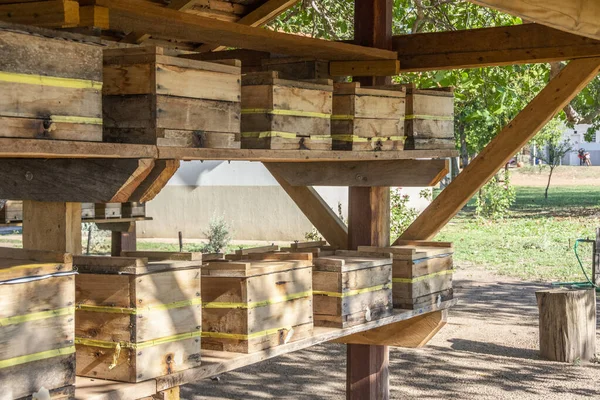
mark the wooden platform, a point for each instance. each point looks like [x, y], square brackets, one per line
[96, 221]
[218, 362]
[35, 148]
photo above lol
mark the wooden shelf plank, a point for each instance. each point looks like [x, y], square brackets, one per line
[297, 155]
[36, 148]
[218, 362]
[96, 221]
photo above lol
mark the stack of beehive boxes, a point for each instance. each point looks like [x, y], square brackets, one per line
[422, 272]
[352, 288]
[138, 317]
[257, 303]
[37, 327]
[151, 98]
[51, 88]
[430, 119]
[285, 114]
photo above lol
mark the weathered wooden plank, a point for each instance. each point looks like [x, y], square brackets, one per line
[559, 91]
[518, 44]
[580, 17]
[48, 14]
[401, 173]
[80, 180]
[136, 15]
[52, 226]
[155, 181]
[317, 211]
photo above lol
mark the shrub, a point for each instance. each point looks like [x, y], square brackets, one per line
[401, 214]
[218, 234]
[496, 197]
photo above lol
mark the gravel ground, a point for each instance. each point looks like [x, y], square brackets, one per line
[488, 350]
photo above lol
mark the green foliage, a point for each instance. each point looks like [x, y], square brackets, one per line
[496, 197]
[313, 235]
[401, 214]
[99, 242]
[218, 235]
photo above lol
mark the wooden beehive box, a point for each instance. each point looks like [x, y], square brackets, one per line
[422, 272]
[242, 254]
[430, 119]
[351, 288]
[151, 98]
[12, 211]
[37, 322]
[88, 210]
[285, 114]
[258, 303]
[297, 67]
[107, 210]
[51, 86]
[133, 209]
[318, 248]
[367, 119]
[137, 319]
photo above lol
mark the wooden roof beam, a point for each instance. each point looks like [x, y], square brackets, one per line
[136, 15]
[581, 17]
[558, 93]
[506, 45]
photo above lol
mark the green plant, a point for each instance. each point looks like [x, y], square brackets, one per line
[496, 197]
[95, 241]
[315, 236]
[218, 235]
[401, 214]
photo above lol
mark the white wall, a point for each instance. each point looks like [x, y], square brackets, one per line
[576, 137]
[244, 193]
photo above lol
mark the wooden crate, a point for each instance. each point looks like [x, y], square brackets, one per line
[51, 87]
[12, 211]
[422, 273]
[151, 98]
[430, 119]
[37, 328]
[285, 114]
[297, 67]
[242, 254]
[107, 210]
[258, 303]
[88, 210]
[132, 210]
[318, 248]
[351, 288]
[137, 319]
[367, 119]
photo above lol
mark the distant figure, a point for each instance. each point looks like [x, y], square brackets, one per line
[584, 157]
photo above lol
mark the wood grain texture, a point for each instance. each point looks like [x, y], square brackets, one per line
[52, 226]
[138, 15]
[47, 14]
[317, 211]
[567, 324]
[559, 91]
[579, 17]
[81, 180]
[517, 44]
[402, 173]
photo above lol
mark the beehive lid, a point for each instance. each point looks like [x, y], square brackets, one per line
[271, 78]
[441, 92]
[128, 265]
[248, 268]
[20, 263]
[346, 261]
[354, 88]
[164, 255]
[414, 250]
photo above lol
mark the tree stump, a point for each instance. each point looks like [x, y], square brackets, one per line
[567, 324]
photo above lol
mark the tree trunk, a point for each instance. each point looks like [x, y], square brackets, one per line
[567, 324]
[464, 153]
[548, 185]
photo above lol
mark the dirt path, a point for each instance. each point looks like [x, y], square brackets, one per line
[562, 176]
[488, 350]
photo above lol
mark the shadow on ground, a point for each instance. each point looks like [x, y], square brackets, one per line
[488, 350]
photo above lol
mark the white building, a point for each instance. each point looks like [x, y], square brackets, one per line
[244, 193]
[577, 140]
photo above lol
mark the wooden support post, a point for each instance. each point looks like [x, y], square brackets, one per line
[596, 260]
[123, 237]
[367, 374]
[52, 226]
[558, 93]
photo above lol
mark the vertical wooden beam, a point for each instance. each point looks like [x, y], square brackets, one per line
[52, 226]
[596, 261]
[556, 95]
[367, 374]
[123, 240]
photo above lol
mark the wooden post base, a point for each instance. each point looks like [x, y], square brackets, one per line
[123, 237]
[367, 372]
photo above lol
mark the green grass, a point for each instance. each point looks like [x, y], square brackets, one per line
[536, 240]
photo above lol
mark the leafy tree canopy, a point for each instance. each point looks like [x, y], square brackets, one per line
[486, 98]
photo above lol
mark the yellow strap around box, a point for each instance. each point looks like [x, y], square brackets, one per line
[351, 292]
[11, 362]
[19, 319]
[70, 83]
[29, 266]
[140, 310]
[354, 138]
[342, 117]
[239, 336]
[422, 278]
[75, 120]
[255, 304]
[430, 117]
[293, 113]
[136, 346]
